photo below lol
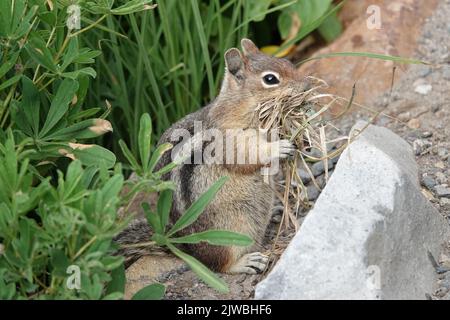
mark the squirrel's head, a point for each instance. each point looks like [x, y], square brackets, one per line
[256, 75]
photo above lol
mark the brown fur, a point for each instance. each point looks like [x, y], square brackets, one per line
[245, 201]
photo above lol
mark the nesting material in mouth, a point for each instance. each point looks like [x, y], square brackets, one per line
[304, 116]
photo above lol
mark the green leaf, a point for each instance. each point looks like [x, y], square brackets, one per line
[145, 139]
[88, 71]
[331, 28]
[197, 207]
[157, 154]
[154, 291]
[217, 238]
[10, 81]
[258, 9]
[284, 23]
[59, 105]
[132, 7]
[8, 64]
[30, 103]
[80, 130]
[38, 51]
[94, 155]
[118, 280]
[164, 205]
[310, 27]
[60, 262]
[209, 277]
[129, 155]
[152, 218]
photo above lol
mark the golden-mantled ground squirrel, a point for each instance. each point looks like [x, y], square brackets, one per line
[244, 204]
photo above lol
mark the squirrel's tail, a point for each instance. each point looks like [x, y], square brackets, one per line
[135, 241]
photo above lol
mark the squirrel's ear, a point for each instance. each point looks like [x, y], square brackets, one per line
[248, 47]
[233, 61]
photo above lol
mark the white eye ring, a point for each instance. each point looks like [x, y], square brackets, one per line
[275, 75]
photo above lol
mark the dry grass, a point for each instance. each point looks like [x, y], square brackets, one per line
[304, 116]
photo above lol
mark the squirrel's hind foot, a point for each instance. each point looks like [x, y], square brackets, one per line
[251, 263]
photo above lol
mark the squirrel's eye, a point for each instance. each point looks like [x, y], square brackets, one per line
[271, 79]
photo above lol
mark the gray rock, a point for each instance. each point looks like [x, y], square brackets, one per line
[313, 193]
[424, 71]
[420, 145]
[442, 191]
[428, 182]
[369, 232]
[446, 72]
[442, 153]
[427, 134]
[319, 167]
[441, 178]
[335, 159]
[304, 175]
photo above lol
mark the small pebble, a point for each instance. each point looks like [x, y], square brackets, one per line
[335, 159]
[442, 191]
[444, 202]
[313, 193]
[442, 153]
[427, 134]
[404, 116]
[319, 167]
[424, 71]
[420, 145]
[441, 178]
[440, 165]
[442, 291]
[428, 182]
[304, 175]
[423, 89]
[446, 73]
[414, 124]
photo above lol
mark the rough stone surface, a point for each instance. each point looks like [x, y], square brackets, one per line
[403, 18]
[371, 219]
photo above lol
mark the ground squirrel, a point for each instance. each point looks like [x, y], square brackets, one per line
[244, 204]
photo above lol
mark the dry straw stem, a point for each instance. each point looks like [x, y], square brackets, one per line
[302, 115]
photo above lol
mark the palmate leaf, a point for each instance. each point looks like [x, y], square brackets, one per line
[30, 104]
[38, 51]
[197, 207]
[59, 105]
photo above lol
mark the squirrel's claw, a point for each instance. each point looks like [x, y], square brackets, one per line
[251, 263]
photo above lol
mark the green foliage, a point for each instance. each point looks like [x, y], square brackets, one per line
[168, 61]
[58, 195]
[46, 227]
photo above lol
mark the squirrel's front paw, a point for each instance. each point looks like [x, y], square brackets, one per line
[284, 149]
[251, 263]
